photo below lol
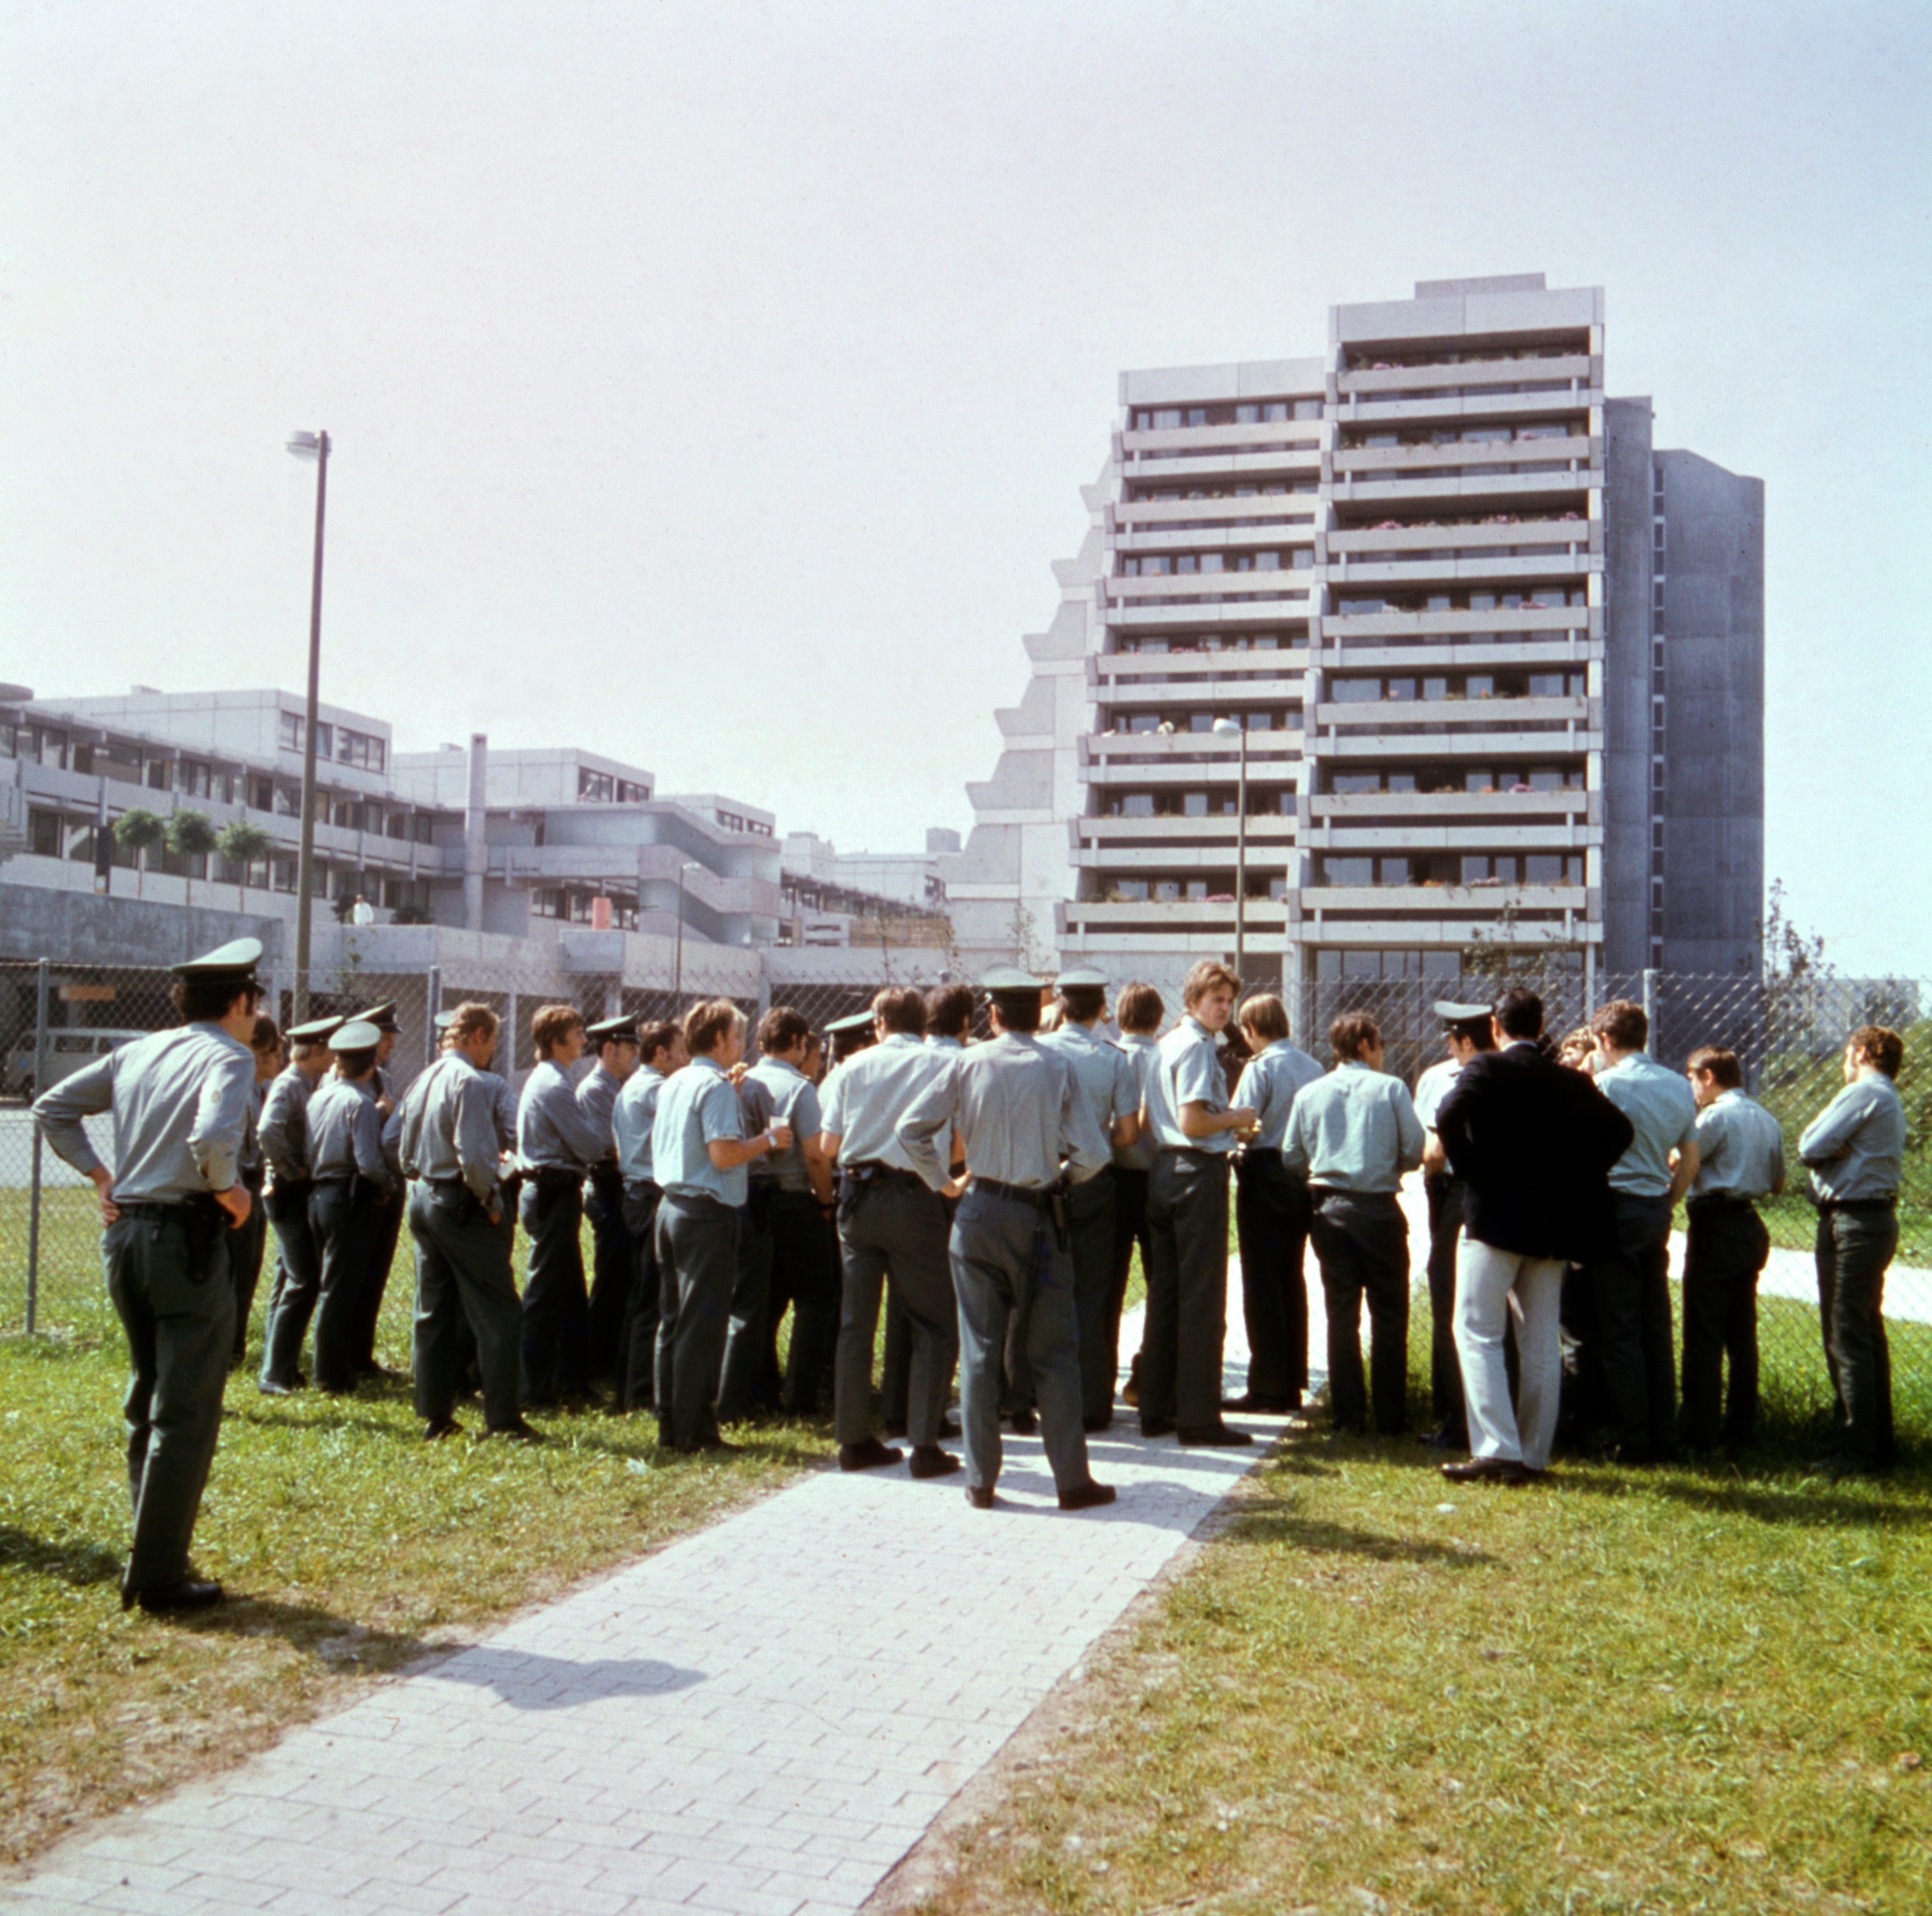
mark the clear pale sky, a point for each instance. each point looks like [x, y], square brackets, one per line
[712, 384]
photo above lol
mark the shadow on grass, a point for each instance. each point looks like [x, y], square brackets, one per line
[76, 1561]
[1892, 1503]
[1277, 1520]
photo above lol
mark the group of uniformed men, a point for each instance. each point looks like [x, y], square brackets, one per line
[990, 1194]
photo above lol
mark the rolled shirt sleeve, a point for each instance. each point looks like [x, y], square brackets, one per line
[59, 1112]
[221, 1120]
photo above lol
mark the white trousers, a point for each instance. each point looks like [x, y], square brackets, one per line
[1486, 1279]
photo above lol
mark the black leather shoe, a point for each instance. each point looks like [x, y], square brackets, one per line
[1087, 1496]
[1156, 1426]
[1489, 1470]
[928, 1460]
[184, 1596]
[979, 1495]
[1024, 1423]
[522, 1431]
[870, 1455]
[1213, 1437]
[441, 1427]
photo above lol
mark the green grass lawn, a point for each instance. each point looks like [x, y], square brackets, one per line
[1705, 1690]
[349, 1544]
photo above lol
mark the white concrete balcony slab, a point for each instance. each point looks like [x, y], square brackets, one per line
[1559, 482]
[1289, 463]
[1220, 538]
[1112, 671]
[1257, 436]
[1452, 655]
[1481, 372]
[1469, 836]
[1145, 515]
[1493, 713]
[1461, 900]
[1244, 585]
[1435, 934]
[1388, 461]
[1545, 747]
[1339, 807]
[1257, 614]
[1353, 626]
[1181, 693]
[1214, 835]
[1564, 534]
[1562, 570]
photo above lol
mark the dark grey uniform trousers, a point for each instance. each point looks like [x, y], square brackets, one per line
[298, 1281]
[1004, 1262]
[804, 1271]
[344, 1214]
[638, 1377]
[1631, 1290]
[613, 1266]
[1130, 1227]
[167, 1274]
[556, 1307]
[1271, 1219]
[896, 1227]
[697, 1268]
[1361, 1240]
[245, 1249]
[462, 1276]
[742, 1383]
[1854, 1250]
[1186, 1259]
[385, 1233]
[1725, 1251]
[1090, 1206]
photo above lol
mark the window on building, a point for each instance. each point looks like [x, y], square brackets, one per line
[1348, 871]
[597, 788]
[361, 749]
[290, 735]
[629, 793]
[43, 832]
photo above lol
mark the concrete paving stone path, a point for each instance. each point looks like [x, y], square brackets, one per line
[761, 1719]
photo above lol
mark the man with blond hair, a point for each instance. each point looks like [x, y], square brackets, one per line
[1194, 1128]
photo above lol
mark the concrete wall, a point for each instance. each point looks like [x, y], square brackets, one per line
[1713, 628]
[1626, 569]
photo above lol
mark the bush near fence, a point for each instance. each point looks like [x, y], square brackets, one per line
[1789, 1033]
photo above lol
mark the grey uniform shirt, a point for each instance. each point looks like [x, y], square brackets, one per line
[1866, 1123]
[1140, 1051]
[773, 1089]
[1433, 1087]
[345, 1132]
[1740, 1149]
[449, 1128]
[698, 1106]
[1270, 1082]
[553, 1132]
[632, 1121]
[597, 1099]
[1102, 1071]
[284, 1125]
[1186, 1071]
[1018, 1109]
[1354, 1130]
[871, 1091]
[180, 1101]
[1663, 1112]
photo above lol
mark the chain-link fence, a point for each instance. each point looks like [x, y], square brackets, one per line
[57, 1017]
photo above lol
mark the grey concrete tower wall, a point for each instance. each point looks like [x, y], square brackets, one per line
[1712, 563]
[1627, 669]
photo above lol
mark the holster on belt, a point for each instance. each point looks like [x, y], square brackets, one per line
[853, 1182]
[1057, 1208]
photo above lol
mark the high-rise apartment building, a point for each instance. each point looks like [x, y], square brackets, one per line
[1488, 666]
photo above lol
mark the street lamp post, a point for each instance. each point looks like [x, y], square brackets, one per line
[1224, 727]
[677, 984]
[310, 446]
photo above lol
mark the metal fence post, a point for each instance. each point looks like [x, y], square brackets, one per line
[1650, 1005]
[432, 1003]
[34, 1176]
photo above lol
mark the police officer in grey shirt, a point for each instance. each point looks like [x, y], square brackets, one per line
[1139, 1012]
[1631, 1287]
[180, 1105]
[633, 1118]
[284, 1135]
[1740, 1159]
[449, 1148]
[615, 1043]
[353, 1181]
[246, 1246]
[1112, 1086]
[1194, 1130]
[1855, 1149]
[388, 1227]
[1272, 1214]
[1029, 1132]
[1353, 1134]
[556, 1144]
[700, 1152]
[892, 1227]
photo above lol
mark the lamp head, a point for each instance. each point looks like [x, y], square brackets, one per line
[1227, 728]
[305, 446]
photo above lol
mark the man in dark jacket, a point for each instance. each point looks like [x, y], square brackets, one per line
[1533, 1143]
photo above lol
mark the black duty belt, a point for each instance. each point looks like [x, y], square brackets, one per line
[1856, 1205]
[161, 1210]
[1038, 1195]
[1733, 1197]
[554, 1177]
